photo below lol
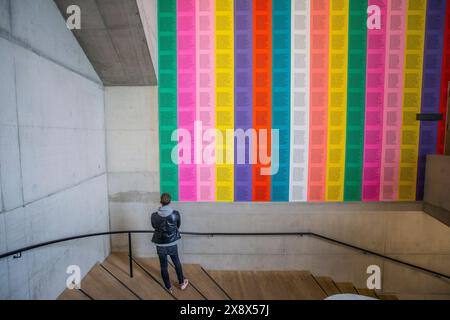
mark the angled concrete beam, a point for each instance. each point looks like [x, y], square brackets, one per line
[112, 35]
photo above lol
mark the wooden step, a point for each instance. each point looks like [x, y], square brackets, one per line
[141, 283]
[387, 296]
[200, 279]
[110, 281]
[230, 282]
[367, 293]
[100, 285]
[310, 289]
[151, 265]
[274, 286]
[328, 285]
[346, 287]
[268, 285]
[296, 285]
[73, 295]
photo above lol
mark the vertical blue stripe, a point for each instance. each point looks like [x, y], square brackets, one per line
[281, 96]
[433, 57]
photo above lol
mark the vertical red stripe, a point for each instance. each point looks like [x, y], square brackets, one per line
[262, 93]
[444, 83]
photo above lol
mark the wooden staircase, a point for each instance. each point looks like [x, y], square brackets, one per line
[110, 281]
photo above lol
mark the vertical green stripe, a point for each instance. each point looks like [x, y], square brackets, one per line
[167, 93]
[356, 99]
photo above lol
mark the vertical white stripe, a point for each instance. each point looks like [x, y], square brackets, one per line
[300, 59]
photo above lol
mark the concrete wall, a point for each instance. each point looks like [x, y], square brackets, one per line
[437, 186]
[401, 230]
[113, 37]
[148, 13]
[132, 153]
[52, 151]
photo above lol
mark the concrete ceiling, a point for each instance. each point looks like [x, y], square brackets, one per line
[113, 38]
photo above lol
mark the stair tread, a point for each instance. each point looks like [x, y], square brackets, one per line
[268, 285]
[100, 285]
[141, 283]
[367, 293]
[110, 281]
[151, 265]
[229, 280]
[310, 288]
[346, 287]
[387, 296]
[73, 295]
[328, 285]
[301, 285]
[200, 279]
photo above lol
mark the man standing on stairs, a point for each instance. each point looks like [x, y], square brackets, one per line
[166, 223]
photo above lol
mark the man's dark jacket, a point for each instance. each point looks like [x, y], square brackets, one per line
[166, 228]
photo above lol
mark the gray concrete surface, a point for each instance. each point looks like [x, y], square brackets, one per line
[5, 22]
[132, 152]
[52, 151]
[112, 35]
[437, 187]
[149, 17]
[38, 26]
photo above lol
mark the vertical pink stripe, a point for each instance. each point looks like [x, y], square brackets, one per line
[186, 22]
[393, 99]
[318, 135]
[206, 173]
[375, 83]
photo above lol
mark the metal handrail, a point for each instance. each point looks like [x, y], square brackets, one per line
[223, 234]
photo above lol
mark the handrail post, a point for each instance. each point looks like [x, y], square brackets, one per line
[130, 254]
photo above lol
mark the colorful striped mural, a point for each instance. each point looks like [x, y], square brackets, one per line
[393, 97]
[243, 106]
[373, 136]
[281, 96]
[187, 88]
[300, 100]
[318, 93]
[262, 95]
[356, 99]
[412, 97]
[206, 96]
[431, 85]
[224, 54]
[167, 96]
[300, 86]
[445, 79]
[337, 99]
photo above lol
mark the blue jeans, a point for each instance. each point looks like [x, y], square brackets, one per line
[172, 251]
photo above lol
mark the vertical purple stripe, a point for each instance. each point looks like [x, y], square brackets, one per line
[243, 96]
[434, 42]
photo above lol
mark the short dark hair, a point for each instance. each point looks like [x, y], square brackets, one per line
[165, 199]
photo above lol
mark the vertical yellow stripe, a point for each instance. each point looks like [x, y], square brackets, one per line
[225, 99]
[412, 96]
[337, 99]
